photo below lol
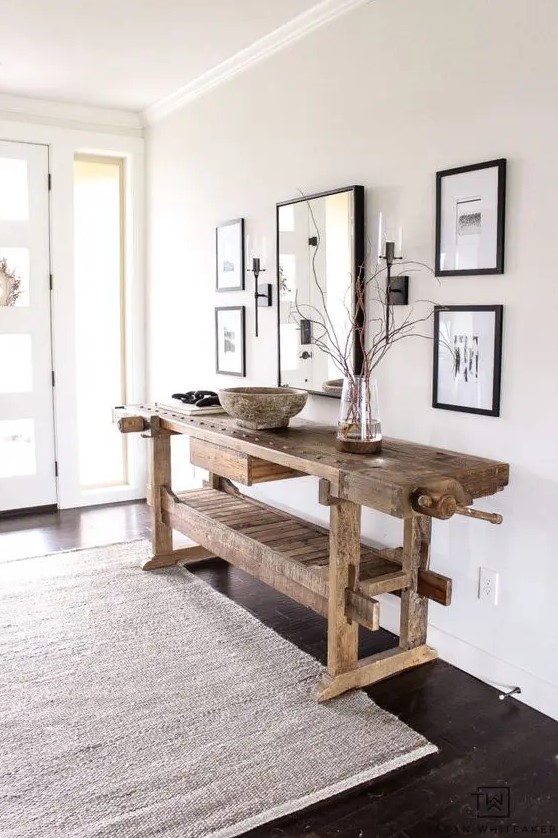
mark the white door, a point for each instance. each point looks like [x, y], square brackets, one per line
[27, 458]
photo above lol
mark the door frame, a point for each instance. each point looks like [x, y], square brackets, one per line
[64, 142]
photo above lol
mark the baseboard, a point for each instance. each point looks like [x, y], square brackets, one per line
[536, 692]
[28, 510]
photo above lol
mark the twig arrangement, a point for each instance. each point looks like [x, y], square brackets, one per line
[371, 325]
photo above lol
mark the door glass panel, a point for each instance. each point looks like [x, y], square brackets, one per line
[14, 276]
[17, 447]
[14, 193]
[100, 339]
[16, 364]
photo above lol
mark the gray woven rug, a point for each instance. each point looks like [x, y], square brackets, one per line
[135, 705]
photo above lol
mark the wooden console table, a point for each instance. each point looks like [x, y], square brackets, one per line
[328, 571]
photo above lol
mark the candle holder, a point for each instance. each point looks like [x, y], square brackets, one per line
[262, 293]
[397, 287]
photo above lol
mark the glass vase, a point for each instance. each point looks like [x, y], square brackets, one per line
[359, 430]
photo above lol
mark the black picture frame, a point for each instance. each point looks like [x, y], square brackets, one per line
[218, 366]
[498, 311]
[239, 222]
[359, 258]
[501, 165]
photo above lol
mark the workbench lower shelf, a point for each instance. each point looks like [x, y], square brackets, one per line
[290, 554]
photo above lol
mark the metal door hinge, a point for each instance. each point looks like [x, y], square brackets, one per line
[56, 468]
[49, 181]
[50, 281]
[53, 378]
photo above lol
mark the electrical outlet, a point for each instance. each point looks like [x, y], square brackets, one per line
[488, 585]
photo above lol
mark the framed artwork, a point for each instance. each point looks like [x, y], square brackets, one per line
[468, 358]
[230, 340]
[229, 247]
[470, 219]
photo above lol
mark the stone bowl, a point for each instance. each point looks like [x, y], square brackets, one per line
[260, 408]
[334, 386]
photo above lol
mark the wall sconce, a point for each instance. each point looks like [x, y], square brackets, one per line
[397, 287]
[262, 293]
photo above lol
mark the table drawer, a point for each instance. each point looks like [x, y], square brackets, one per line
[235, 465]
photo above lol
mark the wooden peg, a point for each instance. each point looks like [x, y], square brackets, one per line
[131, 424]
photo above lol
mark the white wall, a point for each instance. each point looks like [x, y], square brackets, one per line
[68, 130]
[385, 97]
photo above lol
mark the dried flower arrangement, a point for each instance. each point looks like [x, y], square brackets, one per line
[10, 284]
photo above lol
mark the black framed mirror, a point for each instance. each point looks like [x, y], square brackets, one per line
[320, 259]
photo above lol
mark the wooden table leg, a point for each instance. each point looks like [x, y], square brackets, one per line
[416, 556]
[159, 476]
[345, 671]
[344, 560]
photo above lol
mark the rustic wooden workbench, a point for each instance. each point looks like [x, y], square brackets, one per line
[328, 571]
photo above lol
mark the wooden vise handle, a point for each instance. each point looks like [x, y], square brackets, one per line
[445, 506]
[491, 517]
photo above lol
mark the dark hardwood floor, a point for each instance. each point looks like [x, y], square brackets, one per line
[49, 532]
[486, 746]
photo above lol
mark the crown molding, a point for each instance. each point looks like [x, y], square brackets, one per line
[65, 115]
[300, 26]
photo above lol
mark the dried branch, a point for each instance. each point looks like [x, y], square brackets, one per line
[371, 325]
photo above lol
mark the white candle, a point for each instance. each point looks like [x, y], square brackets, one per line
[264, 251]
[400, 242]
[380, 236]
